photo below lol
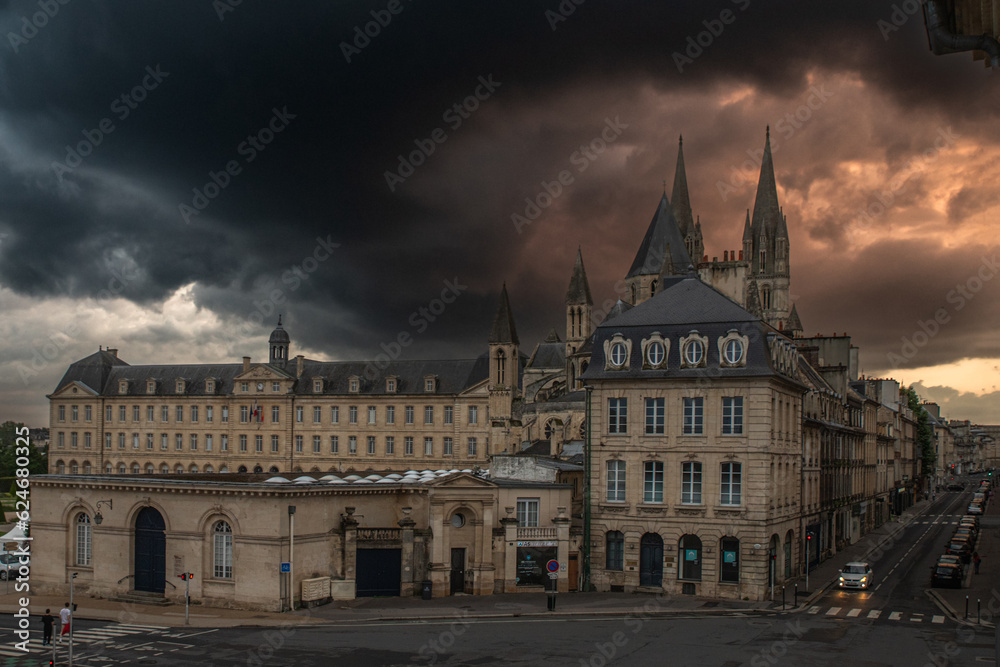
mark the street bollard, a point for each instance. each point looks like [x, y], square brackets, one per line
[966, 607]
[979, 611]
[782, 598]
[796, 596]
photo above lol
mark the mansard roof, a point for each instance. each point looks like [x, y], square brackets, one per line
[93, 371]
[662, 248]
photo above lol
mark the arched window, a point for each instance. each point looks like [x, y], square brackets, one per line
[150, 469]
[193, 468]
[121, 468]
[108, 469]
[242, 469]
[135, 469]
[633, 294]
[179, 469]
[614, 550]
[652, 289]
[549, 430]
[273, 469]
[501, 366]
[258, 469]
[763, 261]
[83, 543]
[224, 469]
[86, 467]
[61, 467]
[74, 467]
[222, 548]
[209, 468]
[165, 469]
[765, 298]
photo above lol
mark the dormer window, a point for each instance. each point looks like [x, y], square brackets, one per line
[318, 385]
[733, 349]
[180, 386]
[390, 385]
[123, 387]
[617, 352]
[151, 387]
[654, 351]
[353, 384]
[209, 386]
[694, 349]
[430, 384]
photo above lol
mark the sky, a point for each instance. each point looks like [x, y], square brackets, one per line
[175, 175]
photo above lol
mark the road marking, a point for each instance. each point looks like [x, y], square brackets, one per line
[937, 619]
[832, 611]
[814, 609]
[874, 613]
[854, 612]
[895, 616]
[916, 620]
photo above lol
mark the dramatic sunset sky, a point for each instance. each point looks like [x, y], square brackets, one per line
[886, 159]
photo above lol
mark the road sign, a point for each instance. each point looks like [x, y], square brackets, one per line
[553, 575]
[552, 566]
[286, 567]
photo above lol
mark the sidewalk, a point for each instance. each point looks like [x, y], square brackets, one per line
[982, 588]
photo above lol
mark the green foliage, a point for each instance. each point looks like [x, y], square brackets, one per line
[925, 434]
[38, 463]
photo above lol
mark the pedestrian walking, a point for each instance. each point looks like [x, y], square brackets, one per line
[976, 560]
[47, 621]
[64, 615]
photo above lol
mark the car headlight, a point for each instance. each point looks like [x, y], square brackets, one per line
[841, 578]
[864, 579]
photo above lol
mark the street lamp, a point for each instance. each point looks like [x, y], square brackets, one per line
[588, 547]
[72, 617]
[98, 519]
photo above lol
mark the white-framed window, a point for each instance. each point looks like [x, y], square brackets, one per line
[372, 414]
[74, 440]
[473, 446]
[209, 414]
[617, 415]
[352, 444]
[655, 411]
[223, 443]
[121, 441]
[107, 440]
[354, 385]
[408, 445]
[694, 415]
[225, 414]
[390, 414]
[243, 443]
[275, 414]
[652, 482]
[194, 442]
[654, 351]
[428, 446]
[108, 412]
[449, 446]
[222, 548]
[62, 413]
[428, 414]
[299, 414]
[149, 441]
[352, 414]
[83, 540]
[86, 440]
[209, 389]
[88, 413]
[194, 413]
[318, 385]
[150, 413]
[136, 469]
[208, 442]
[75, 411]
[732, 351]
[732, 415]
[731, 484]
[317, 414]
[135, 441]
[244, 386]
[275, 387]
[390, 385]
[334, 414]
[334, 444]
[135, 413]
[473, 414]
[244, 414]
[121, 413]
[371, 445]
[390, 444]
[449, 414]
[429, 384]
[527, 512]
[180, 386]
[318, 445]
[298, 444]
[619, 354]
[275, 444]
[258, 443]
[694, 352]
[60, 439]
[691, 483]
[409, 414]
[616, 481]
[164, 414]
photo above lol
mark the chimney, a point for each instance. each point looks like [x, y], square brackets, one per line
[299, 359]
[246, 364]
[113, 351]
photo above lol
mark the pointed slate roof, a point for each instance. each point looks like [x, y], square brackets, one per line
[579, 289]
[616, 310]
[553, 337]
[679, 198]
[92, 371]
[766, 212]
[747, 234]
[794, 323]
[663, 236]
[503, 330]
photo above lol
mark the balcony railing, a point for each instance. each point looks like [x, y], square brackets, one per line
[536, 533]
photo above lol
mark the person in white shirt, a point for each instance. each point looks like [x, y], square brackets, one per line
[64, 615]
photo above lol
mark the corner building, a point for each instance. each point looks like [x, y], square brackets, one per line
[696, 447]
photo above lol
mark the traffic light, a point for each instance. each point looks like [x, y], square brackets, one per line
[186, 576]
[809, 537]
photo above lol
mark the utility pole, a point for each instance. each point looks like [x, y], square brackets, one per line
[587, 547]
[291, 557]
[72, 617]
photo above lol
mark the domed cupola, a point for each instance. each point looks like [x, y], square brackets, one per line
[279, 344]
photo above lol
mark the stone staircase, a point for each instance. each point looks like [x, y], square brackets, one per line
[143, 597]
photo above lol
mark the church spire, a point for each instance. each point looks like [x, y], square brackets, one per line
[579, 289]
[503, 330]
[766, 212]
[680, 198]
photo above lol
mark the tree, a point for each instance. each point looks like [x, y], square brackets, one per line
[924, 437]
[38, 460]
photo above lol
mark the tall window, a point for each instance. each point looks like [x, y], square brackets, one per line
[408, 445]
[298, 444]
[222, 544]
[299, 414]
[694, 419]
[62, 413]
[194, 413]
[732, 483]
[317, 444]
[729, 548]
[352, 444]
[472, 446]
[614, 550]
[225, 413]
[449, 414]
[88, 414]
[501, 366]
[371, 414]
[208, 442]
[334, 414]
[527, 512]
[428, 446]
[655, 409]
[652, 482]
[243, 443]
[245, 414]
[334, 444]
[275, 414]
[352, 414]
[83, 541]
[390, 444]
[449, 446]
[150, 412]
[390, 414]
[691, 483]
[732, 415]
[617, 415]
[258, 443]
[180, 414]
[409, 414]
[209, 413]
[224, 443]
[371, 444]
[317, 414]
[616, 481]
[473, 414]
[429, 414]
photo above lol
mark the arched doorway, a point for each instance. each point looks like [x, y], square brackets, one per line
[651, 560]
[150, 551]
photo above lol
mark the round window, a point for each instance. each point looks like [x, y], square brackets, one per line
[654, 353]
[618, 354]
[693, 352]
[733, 351]
[457, 520]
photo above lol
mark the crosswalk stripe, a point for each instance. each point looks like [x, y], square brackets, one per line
[833, 611]
[895, 616]
[854, 612]
[10, 651]
[140, 627]
[937, 619]
[874, 613]
[917, 619]
[814, 609]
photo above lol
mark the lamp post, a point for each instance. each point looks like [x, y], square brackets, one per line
[291, 557]
[72, 618]
[586, 496]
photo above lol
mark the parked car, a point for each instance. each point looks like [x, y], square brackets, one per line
[855, 575]
[947, 574]
[9, 566]
[959, 547]
[949, 558]
[956, 487]
[975, 508]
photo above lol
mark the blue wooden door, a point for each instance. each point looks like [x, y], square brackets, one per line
[150, 551]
